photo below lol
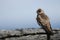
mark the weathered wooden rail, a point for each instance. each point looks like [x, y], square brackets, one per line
[27, 34]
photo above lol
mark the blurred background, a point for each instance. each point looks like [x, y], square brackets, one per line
[17, 14]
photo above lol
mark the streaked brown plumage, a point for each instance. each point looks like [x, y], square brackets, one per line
[43, 21]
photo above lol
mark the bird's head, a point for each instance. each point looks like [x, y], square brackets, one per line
[40, 11]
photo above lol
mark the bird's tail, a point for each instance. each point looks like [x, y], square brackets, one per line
[51, 33]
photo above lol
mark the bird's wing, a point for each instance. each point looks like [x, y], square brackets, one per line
[48, 26]
[45, 23]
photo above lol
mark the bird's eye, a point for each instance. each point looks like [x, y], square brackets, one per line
[39, 11]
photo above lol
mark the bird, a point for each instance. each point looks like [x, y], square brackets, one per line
[43, 21]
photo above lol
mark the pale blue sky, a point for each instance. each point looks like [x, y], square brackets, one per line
[22, 13]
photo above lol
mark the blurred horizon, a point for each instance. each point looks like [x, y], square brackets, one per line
[15, 14]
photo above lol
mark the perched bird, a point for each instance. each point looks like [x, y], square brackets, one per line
[43, 20]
